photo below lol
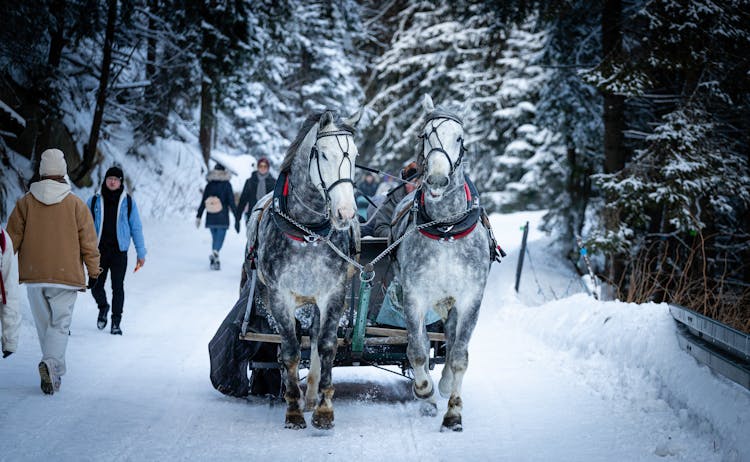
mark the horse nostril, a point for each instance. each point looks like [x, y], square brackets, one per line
[344, 213]
[438, 181]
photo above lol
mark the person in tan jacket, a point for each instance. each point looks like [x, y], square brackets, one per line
[53, 233]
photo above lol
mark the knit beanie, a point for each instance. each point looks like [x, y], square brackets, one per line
[53, 163]
[114, 171]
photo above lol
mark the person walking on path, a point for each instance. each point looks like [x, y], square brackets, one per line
[53, 234]
[10, 315]
[260, 183]
[368, 186]
[218, 200]
[117, 221]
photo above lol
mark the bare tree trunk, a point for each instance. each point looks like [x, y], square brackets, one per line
[613, 117]
[149, 125]
[57, 41]
[101, 97]
[207, 119]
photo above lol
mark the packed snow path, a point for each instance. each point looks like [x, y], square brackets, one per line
[542, 384]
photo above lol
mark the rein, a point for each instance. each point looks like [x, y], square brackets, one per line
[367, 271]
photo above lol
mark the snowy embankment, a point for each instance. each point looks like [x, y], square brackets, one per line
[572, 379]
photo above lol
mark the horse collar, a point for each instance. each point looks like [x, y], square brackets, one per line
[450, 231]
[281, 211]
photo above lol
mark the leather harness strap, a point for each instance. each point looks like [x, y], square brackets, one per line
[280, 194]
[450, 231]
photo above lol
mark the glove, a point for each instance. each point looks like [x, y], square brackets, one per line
[237, 226]
[7, 353]
[92, 282]
[198, 222]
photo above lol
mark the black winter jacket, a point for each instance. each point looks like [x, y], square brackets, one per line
[249, 192]
[218, 185]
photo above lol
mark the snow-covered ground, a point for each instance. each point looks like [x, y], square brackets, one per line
[571, 379]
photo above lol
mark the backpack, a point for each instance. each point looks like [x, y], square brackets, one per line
[96, 198]
[213, 204]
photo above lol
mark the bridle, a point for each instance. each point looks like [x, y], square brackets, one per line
[315, 155]
[439, 148]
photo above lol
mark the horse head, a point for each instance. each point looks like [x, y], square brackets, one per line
[442, 148]
[331, 166]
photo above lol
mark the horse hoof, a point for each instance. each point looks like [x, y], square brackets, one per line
[428, 409]
[452, 423]
[295, 422]
[322, 420]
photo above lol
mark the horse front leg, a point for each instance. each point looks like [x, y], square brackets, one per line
[457, 362]
[417, 351]
[327, 343]
[313, 375]
[290, 357]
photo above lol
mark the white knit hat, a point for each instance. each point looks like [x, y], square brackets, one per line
[53, 163]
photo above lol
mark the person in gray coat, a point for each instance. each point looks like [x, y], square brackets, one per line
[379, 218]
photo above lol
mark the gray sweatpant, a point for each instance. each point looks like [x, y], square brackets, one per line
[52, 308]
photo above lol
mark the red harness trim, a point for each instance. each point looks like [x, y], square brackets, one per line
[2, 250]
[457, 236]
[286, 187]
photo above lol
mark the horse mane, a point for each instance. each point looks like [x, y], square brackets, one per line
[439, 111]
[307, 125]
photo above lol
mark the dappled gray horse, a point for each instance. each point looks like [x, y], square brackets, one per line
[444, 260]
[313, 201]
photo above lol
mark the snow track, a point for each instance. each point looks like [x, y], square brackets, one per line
[534, 391]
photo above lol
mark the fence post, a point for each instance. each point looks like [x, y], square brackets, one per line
[521, 255]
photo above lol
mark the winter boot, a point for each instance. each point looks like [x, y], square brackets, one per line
[214, 258]
[101, 321]
[45, 373]
[115, 329]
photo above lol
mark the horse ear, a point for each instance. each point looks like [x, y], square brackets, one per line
[354, 119]
[427, 103]
[325, 119]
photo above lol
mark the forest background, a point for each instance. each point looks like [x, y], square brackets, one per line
[627, 121]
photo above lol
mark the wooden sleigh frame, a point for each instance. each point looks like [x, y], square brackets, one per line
[362, 342]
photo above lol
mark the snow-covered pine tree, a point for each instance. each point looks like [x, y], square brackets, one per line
[446, 49]
[685, 74]
[525, 156]
[571, 107]
[304, 59]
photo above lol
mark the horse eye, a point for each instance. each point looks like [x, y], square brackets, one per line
[323, 155]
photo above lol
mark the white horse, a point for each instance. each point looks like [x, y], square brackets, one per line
[313, 201]
[445, 261]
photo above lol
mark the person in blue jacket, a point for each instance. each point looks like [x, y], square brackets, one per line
[217, 201]
[116, 221]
